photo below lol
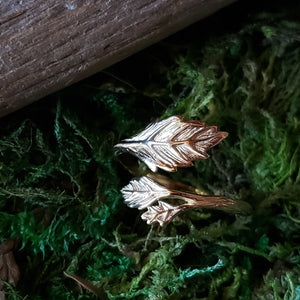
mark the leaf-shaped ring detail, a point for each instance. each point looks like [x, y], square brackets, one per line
[143, 192]
[172, 143]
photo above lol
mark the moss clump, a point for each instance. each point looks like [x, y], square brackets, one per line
[60, 184]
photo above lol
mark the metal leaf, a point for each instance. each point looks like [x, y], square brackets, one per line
[172, 143]
[162, 213]
[143, 192]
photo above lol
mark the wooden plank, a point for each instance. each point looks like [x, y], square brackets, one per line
[48, 45]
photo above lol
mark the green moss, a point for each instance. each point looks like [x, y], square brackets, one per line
[60, 183]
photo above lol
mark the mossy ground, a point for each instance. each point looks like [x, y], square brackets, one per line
[60, 183]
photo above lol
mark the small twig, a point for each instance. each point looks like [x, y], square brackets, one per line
[99, 292]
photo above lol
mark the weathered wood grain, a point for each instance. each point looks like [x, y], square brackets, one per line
[48, 45]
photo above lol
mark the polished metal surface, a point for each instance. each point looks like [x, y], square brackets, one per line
[166, 145]
[172, 143]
